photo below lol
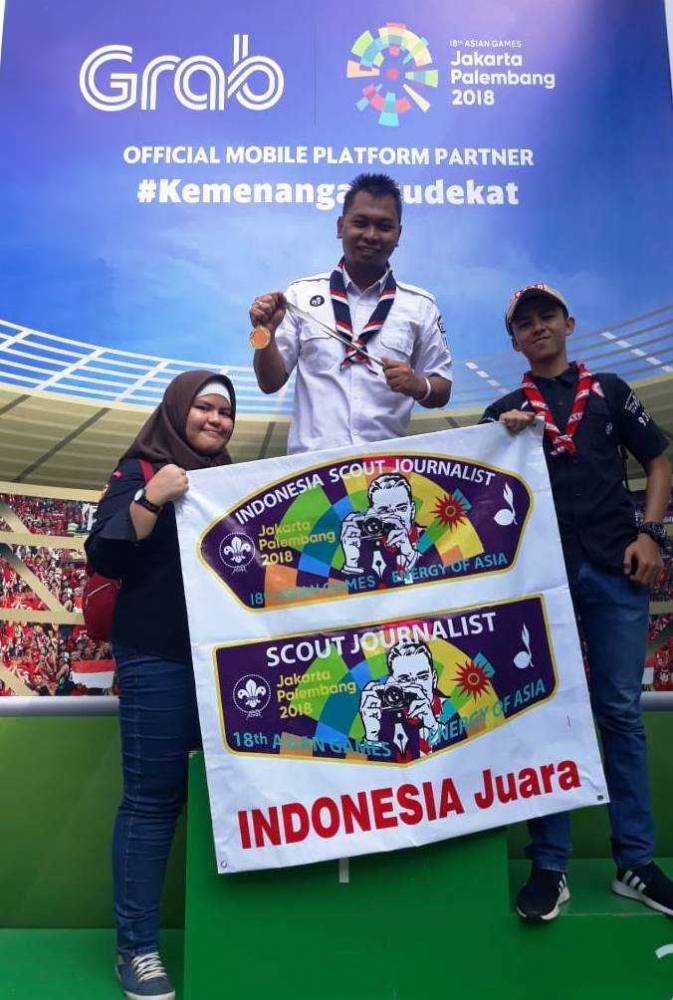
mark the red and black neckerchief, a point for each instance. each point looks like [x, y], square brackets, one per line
[342, 314]
[562, 444]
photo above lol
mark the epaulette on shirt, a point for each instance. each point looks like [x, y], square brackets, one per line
[312, 277]
[415, 290]
[325, 276]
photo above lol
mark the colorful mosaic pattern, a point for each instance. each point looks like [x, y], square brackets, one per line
[399, 59]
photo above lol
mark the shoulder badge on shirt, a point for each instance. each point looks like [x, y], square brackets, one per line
[634, 406]
[442, 330]
[317, 300]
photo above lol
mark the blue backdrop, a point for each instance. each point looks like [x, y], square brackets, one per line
[588, 97]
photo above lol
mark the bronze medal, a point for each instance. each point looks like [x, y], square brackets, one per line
[260, 338]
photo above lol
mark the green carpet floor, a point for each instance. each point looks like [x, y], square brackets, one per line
[601, 948]
[70, 964]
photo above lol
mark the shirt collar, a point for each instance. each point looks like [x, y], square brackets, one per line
[352, 287]
[568, 377]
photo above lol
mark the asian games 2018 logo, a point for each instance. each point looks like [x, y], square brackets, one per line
[399, 59]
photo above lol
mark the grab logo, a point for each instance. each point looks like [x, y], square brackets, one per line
[199, 83]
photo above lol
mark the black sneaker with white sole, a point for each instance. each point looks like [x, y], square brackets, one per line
[543, 893]
[648, 884]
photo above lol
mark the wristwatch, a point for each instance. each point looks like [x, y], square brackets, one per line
[141, 498]
[657, 532]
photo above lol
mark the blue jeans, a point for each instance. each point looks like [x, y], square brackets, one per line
[159, 725]
[613, 615]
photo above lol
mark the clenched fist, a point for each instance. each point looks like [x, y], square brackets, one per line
[170, 483]
[401, 378]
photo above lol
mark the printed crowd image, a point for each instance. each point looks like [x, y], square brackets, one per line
[48, 654]
[56, 658]
[658, 675]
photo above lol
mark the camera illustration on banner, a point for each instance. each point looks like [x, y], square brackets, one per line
[379, 522]
[391, 692]
[385, 538]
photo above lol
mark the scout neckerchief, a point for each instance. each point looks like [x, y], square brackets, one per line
[562, 444]
[342, 314]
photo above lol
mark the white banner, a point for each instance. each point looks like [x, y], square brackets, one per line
[384, 647]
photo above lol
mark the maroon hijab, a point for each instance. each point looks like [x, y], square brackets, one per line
[162, 439]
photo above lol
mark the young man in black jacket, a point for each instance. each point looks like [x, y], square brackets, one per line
[610, 562]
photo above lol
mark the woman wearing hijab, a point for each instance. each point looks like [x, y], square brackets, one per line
[134, 539]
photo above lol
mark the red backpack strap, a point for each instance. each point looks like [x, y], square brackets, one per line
[99, 595]
[148, 469]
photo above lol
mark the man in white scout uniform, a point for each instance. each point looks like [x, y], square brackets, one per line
[393, 349]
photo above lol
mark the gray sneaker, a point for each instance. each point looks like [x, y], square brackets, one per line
[143, 977]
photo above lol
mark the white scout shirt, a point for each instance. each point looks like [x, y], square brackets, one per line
[336, 406]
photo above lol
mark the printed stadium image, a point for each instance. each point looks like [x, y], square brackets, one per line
[69, 408]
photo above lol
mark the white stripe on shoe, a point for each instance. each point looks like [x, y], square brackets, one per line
[620, 888]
